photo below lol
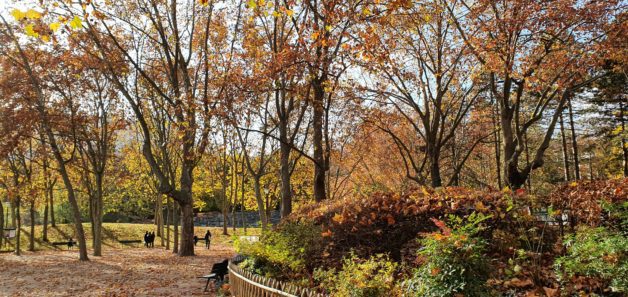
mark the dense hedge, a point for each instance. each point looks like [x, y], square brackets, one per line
[386, 223]
[521, 232]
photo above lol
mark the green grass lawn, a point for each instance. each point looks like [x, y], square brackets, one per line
[112, 233]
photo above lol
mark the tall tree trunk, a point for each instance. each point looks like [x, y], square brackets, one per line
[13, 216]
[497, 142]
[97, 216]
[233, 191]
[574, 141]
[566, 170]
[176, 218]
[45, 223]
[260, 201]
[52, 207]
[435, 177]
[454, 160]
[284, 159]
[1, 223]
[158, 214]
[225, 215]
[168, 220]
[527, 144]
[18, 228]
[624, 144]
[31, 238]
[187, 230]
[159, 217]
[243, 208]
[320, 166]
[590, 166]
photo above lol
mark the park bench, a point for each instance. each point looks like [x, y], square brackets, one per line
[129, 241]
[218, 272]
[69, 243]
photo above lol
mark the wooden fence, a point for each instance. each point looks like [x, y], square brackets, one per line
[247, 284]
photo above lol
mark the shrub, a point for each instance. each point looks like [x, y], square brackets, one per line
[585, 200]
[385, 223]
[595, 253]
[452, 261]
[373, 277]
[282, 252]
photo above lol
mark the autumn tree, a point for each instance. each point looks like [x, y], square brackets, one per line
[29, 64]
[422, 70]
[536, 55]
[172, 56]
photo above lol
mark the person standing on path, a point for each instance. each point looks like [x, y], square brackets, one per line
[208, 237]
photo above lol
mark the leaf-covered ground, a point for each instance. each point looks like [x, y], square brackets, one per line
[119, 272]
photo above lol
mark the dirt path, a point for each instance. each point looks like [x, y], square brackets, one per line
[121, 272]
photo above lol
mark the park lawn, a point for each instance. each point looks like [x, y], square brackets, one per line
[112, 233]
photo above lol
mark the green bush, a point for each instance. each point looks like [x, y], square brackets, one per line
[452, 261]
[284, 252]
[373, 277]
[596, 253]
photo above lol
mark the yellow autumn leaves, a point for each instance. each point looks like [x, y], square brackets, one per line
[31, 29]
[30, 14]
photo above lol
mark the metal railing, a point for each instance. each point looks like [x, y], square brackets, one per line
[247, 284]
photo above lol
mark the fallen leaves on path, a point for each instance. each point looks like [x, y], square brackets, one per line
[119, 272]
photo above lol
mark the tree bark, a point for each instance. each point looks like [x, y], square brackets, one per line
[187, 230]
[566, 171]
[168, 220]
[435, 177]
[574, 141]
[176, 218]
[320, 166]
[31, 238]
[1, 223]
[45, 223]
[624, 144]
[18, 228]
[284, 160]
[52, 207]
[498, 162]
[260, 201]
[159, 217]
[97, 216]
[13, 217]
